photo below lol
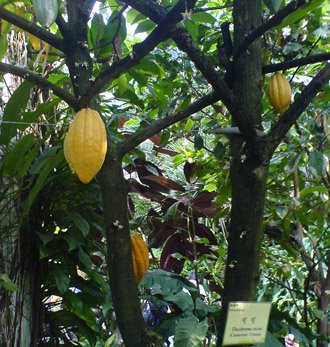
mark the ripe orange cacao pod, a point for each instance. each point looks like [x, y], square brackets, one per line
[279, 92]
[140, 255]
[85, 144]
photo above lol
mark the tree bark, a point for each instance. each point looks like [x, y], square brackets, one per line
[123, 286]
[248, 171]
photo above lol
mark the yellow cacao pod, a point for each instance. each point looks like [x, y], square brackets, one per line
[85, 144]
[279, 92]
[140, 255]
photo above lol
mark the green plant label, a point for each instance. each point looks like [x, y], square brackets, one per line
[246, 323]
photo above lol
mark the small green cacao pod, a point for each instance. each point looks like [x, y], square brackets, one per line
[45, 11]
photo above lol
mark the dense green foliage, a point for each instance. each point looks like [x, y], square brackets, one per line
[178, 181]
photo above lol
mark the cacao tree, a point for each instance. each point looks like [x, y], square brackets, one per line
[187, 61]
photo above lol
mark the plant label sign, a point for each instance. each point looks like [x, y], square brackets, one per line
[246, 323]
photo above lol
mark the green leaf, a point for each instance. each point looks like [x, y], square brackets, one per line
[167, 283]
[79, 222]
[189, 332]
[74, 238]
[46, 238]
[14, 160]
[96, 31]
[146, 65]
[50, 163]
[319, 314]
[173, 211]
[62, 278]
[85, 260]
[273, 5]
[7, 283]
[32, 116]
[271, 341]
[13, 111]
[182, 300]
[192, 28]
[300, 13]
[219, 150]
[198, 142]
[3, 42]
[123, 84]
[203, 17]
[316, 163]
[189, 125]
[144, 26]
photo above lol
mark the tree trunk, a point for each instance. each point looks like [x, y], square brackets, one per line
[123, 286]
[248, 170]
[323, 302]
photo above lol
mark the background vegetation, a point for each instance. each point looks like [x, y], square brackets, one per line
[165, 75]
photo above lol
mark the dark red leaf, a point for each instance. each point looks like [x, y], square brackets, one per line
[172, 264]
[203, 231]
[173, 245]
[158, 236]
[163, 181]
[201, 250]
[135, 187]
[145, 168]
[214, 287]
[166, 151]
[189, 170]
[204, 206]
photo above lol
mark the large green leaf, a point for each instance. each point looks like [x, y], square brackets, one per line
[316, 163]
[181, 299]
[7, 283]
[300, 13]
[48, 165]
[168, 283]
[79, 222]
[14, 160]
[189, 332]
[13, 112]
[271, 341]
[32, 116]
[273, 5]
[62, 278]
[5, 27]
[96, 31]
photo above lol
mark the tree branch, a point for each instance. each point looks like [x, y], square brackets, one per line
[212, 8]
[33, 77]
[243, 119]
[185, 43]
[89, 5]
[285, 122]
[32, 28]
[165, 122]
[270, 23]
[312, 59]
[140, 50]
[62, 25]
